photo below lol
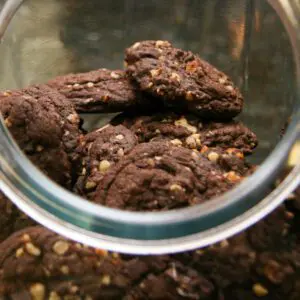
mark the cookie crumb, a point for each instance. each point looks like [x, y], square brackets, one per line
[104, 166]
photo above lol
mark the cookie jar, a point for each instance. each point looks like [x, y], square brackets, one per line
[256, 42]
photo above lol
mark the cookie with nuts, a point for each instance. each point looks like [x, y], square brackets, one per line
[160, 176]
[12, 219]
[176, 282]
[36, 263]
[98, 151]
[102, 90]
[45, 126]
[189, 131]
[182, 79]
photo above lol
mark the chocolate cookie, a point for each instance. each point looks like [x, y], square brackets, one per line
[177, 282]
[36, 263]
[46, 127]
[160, 176]
[182, 79]
[99, 91]
[189, 131]
[100, 150]
[11, 218]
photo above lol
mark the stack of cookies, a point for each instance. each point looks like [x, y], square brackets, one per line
[173, 144]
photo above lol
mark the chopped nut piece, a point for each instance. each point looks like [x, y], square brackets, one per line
[232, 176]
[90, 84]
[77, 86]
[184, 123]
[151, 162]
[104, 165]
[213, 156]
[26, 238]
[39, 148]
[155, 72]
[189, 96]
[101, 252]
[162, 44]
[54, 296]
[224, 244]
[19, 252]
[192, 66]
[74, 289]
[72, 118]
[65, 270]
[7, 122]
[114, 75]
[120, 137]
[229, 88]
[106, 280]
[195, 155]
[37, 291]
[176, 187]
[90, 185]
[175, 76]
[61, 247]
[222, 80]
[176, 142]
[193, 141]
[259, 290]
[236, 152]
[120, 152]
[136, 45]
[32, 249]
[150, 85]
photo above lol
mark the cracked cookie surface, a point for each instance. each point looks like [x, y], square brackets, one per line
[45, 126]
[102, 90]
[160, 176]
[182, 79]
[100, 150]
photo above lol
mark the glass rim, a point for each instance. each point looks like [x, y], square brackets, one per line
[154, 232]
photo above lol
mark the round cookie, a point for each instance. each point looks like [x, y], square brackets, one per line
[159, 176]
[100, 150]
[189, 131]
[182, 79]
[12, 219]
[101, 90]
[45, 126]
[36, 263]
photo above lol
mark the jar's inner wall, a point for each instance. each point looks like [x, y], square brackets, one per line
[244, 38]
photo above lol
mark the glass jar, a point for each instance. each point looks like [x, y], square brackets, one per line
[256, 42]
